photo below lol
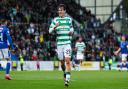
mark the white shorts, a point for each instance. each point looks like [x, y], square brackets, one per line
[64, 51]
[124, 57]
[80, 57]
[4, 53]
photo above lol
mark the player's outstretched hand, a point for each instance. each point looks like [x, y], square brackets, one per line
[56, 25]
[13, 51]
[116, 53]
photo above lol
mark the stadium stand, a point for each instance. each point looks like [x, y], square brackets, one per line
[30, 22]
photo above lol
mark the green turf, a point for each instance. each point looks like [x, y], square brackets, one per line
[54, 80]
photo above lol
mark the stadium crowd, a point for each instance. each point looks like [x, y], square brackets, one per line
[30, 21]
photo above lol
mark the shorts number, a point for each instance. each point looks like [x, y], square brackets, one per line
[68, 51]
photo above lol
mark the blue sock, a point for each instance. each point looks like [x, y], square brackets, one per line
[8, 68]
[127, 65]
[121, 65]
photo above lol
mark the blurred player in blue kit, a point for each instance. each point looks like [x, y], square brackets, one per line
[5, 44]
[124, 52]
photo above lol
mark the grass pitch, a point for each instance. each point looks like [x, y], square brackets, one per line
[54, 80]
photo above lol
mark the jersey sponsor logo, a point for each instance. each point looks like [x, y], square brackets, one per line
[64, 21]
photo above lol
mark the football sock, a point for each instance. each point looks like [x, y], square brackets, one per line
[64, 75]
[68, 76]
[127, 65]
[8, 68]
[79, 67]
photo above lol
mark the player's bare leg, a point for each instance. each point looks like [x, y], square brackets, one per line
[79, 62]
[68, 70]
[63, 68]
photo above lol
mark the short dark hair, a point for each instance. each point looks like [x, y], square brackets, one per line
[2, 21]
[62, 5]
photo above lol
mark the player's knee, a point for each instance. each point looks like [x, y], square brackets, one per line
[67, 62]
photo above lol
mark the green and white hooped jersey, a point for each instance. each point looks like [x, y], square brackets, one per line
[80, 47]
[65, 26]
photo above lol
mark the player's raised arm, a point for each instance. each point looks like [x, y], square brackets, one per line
[53, 26]
[116, 52]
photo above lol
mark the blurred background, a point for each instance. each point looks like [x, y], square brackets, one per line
[100, 22]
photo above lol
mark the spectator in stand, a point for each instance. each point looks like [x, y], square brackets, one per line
[34, 55]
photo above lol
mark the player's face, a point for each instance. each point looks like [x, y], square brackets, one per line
[80, 39]
[123, 38]
[61, 12]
